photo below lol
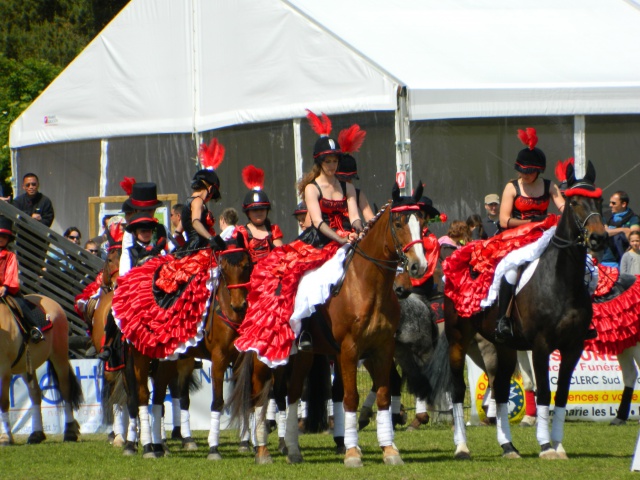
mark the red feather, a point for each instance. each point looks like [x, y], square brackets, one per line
[116, 231]
[211, 155]
[529, 137]
[350, 139]
[253, 177]
[561, 169]
[321, 126]
[127, 184]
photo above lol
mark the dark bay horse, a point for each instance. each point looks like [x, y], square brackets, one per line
[362, 318]
[16, 357]
[552, 311]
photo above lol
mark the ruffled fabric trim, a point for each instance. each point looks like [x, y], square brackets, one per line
[470, 269]
[607, 278]
[616, 322]
[155, 331]
[91, 290]
[274, 284]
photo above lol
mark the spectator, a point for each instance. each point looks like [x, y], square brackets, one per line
[34, 203]
[621, 223]
[228, 221]
[474, 222]
[458, 235]
[73, 234]
[630, 262]
[92, 247]
[176, 224]
[491, 224]
[101, 240]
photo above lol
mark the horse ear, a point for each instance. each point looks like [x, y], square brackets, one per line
[417, 195]
[590, 176]
[395, 193]
[240, 240]
[571, 175]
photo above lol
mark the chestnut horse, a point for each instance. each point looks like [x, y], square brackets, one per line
[362, 318]
[18, 357]
[552, 311]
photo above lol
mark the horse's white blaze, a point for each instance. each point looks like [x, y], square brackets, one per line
[416, 236]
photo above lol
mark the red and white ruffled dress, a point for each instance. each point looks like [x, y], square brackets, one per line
[278, 298]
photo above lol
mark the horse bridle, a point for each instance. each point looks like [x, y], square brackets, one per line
[223, 280]
[581, 240]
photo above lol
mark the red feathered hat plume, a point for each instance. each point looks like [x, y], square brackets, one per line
[127, 184]
[253, 177]
[321, 126]
[116, 231]
[561, 169]
[350, 139]
[211, 155]
[528, 137]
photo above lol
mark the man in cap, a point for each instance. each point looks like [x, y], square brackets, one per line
[491, 223]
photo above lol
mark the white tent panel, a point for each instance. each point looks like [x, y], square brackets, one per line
[485, 58]
[134, 78]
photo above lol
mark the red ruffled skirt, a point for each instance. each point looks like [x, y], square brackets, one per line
[616, 320]
[89, 291]
[469, 270]
[164, 332]
[274, 283]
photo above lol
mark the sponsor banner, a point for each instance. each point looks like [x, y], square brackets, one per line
[596, 390]
[90, 414]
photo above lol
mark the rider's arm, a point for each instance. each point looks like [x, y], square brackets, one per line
[557, 197]
[11, 282]
[365, 208]
[197, 207]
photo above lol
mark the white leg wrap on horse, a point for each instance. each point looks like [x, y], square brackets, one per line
[421, 406]
[502, 423]
[492, 411]
[281, 420]
[384, 428]
[338, 419]
[370, 399]
[291, 432]
[214, 430]
[119, 417]
[330, 407]
[163, 430]
[271, 409]
[145, 427]
[68, 413]
[253, 421]
[132, 432]
[303, 409]
[5, 425]
[185, 424]
[350, 430]
[246, 432]
[176, 414]
[36, 418]
[542, 433]
[395, 404]
[557, 426]
[262, 434]
[156, 424]
[459, 432]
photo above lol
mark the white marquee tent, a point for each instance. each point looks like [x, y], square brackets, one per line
[446, 83]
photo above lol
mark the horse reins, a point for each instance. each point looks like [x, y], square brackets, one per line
[581, 240]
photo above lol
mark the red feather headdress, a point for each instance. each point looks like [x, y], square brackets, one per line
[322, 126]
[127, 184]
[211, 155]
[529, 137]
[577, 187]
[351, 139]
[253, 177]
[561, 169]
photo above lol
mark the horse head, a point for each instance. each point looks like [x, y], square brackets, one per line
[402, 285]
[235, 271]
[406, 230]
[583, 206]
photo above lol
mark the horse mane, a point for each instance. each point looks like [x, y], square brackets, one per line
[369, 225]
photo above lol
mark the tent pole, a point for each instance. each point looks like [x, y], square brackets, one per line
[403, 139]
[579, 146]
[14, 172]
[297, 150]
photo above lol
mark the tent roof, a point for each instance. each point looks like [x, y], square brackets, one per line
[165, 66]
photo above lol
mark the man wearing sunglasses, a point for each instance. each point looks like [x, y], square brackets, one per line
[621, 222]
[34, 203]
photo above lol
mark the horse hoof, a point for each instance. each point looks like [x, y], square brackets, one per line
[353, 458]
[214, 454]
[148, 451]
[130, 449]
[366, 414]
[562, 454]
[509, 451]
[548, 452]
[71, 431]
[282, 446]
[462, 453]
[36, 437]
[263, 459]
[189, 444]
[244, 447]
[617, 422]
[341, 449]
[165, 449]
[294, 457]
[119, 441]
[6, 440]
[111, 437]
[176, 434]
[528, 421]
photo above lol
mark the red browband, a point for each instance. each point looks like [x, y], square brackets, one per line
[114, 247]
[410, 244]
[232, 250]
[597, 193]
[143, 203]
[239, 285]
[406, 208]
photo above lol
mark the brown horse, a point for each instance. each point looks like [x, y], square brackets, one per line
[552, 311]
[362, 318]
[18, 357]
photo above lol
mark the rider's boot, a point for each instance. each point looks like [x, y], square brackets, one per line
[305, 342]
[503, 325]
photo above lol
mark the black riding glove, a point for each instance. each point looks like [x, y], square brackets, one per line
[217, 243]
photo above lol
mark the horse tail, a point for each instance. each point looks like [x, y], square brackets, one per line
[113, 393]
[194, 382]
[318, 388]
[242, 401]
[75, 397]
[438, 373]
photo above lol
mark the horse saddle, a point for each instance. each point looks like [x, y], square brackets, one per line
[28, 314]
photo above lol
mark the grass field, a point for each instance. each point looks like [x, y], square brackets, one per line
[597, 451]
